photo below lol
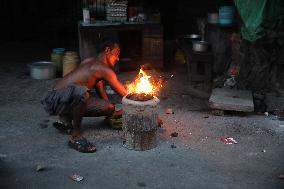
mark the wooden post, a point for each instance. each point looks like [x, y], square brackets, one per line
[139, 123]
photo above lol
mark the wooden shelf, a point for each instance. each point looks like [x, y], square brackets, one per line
[150, 42]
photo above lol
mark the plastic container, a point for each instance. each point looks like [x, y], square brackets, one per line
[42, 70]
[71, 61]
[226, 15]
[200, 46]
[86, 15]
[213, 18]
[56, 57]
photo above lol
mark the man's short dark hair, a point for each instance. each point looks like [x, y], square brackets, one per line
[106, 42]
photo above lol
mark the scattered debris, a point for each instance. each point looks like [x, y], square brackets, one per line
[141, 184]
[174, 134]
[173, 146]
[40, 168]
[228, 140]
[266, 113]
[172, 75]
[76, 177]
[169, 111]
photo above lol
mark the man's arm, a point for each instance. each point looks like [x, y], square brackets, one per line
[111, 78]
[101, 90]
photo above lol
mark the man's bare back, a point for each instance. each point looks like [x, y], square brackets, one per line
[89, 73]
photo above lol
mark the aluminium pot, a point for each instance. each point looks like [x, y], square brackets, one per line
[194, 36]
[200, 46]
[42, 70]
[191, 38]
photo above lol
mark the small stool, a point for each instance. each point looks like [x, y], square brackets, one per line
[199, 66]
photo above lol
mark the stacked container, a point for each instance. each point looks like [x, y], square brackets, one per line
[56, 57]
[117, 11]
[71, 61]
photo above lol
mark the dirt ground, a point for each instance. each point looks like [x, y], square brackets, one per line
[196, 158]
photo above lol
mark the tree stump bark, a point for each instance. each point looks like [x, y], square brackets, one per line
[139, 123]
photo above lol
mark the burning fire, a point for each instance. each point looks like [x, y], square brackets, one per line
[143, 85]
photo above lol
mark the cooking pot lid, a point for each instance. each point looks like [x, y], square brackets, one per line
[42, 64]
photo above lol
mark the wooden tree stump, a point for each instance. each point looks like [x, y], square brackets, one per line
[139, 123]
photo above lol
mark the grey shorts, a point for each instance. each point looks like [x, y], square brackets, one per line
[62, 101]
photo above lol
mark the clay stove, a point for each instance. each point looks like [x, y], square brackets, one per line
[139, 121]
[139, 118]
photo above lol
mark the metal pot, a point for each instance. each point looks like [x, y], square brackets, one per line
[192, 37]
[42, 70]
[200, 46]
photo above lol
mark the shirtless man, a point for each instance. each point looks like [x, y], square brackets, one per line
[70, 98]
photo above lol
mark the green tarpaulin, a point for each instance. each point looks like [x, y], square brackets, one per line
[257, 16]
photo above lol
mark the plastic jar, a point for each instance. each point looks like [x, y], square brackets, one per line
[56, 57]
[226, 15]
[71, 61]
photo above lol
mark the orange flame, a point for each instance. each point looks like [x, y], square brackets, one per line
[143, 85]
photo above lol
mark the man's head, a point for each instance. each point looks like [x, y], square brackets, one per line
[111, 51]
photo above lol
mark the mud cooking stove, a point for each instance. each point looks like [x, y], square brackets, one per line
[139, 118]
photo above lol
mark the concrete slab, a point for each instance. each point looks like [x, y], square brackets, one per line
[231, 99]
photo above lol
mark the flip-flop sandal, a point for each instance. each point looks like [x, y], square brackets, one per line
[82, 145]
[62, 128]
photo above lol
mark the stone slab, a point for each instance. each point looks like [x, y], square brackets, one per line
[231, 99]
